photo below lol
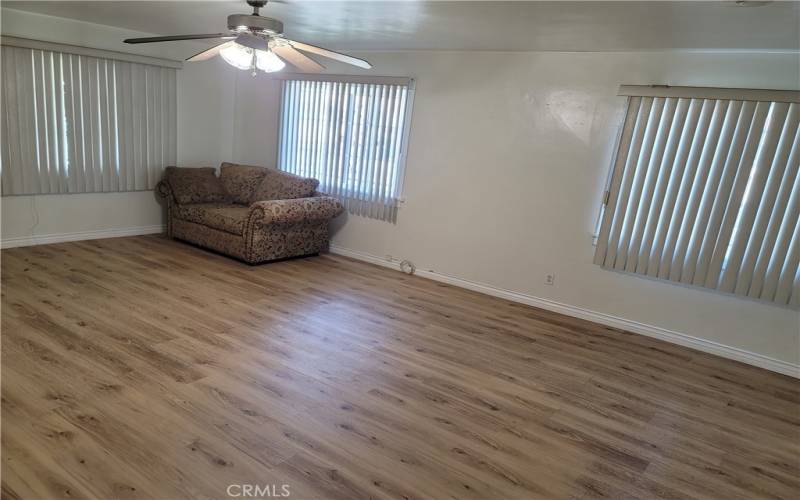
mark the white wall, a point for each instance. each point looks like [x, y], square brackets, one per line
[507, 161]
[205, 100]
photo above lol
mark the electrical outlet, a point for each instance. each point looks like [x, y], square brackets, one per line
[549, 279]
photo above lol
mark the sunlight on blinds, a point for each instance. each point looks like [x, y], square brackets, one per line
[351, 136]
[706, 192]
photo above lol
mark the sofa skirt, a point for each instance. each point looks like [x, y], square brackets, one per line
[261, 244]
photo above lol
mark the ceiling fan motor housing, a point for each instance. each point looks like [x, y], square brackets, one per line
[244, 22]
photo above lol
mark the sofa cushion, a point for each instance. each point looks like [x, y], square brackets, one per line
[279, 185]
[241, 181]
[195, 185]
[223, 216]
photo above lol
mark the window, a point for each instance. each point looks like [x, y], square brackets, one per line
[351, 135]
[705, 191]
[74, 123]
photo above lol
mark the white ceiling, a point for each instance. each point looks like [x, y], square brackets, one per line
[470, 25]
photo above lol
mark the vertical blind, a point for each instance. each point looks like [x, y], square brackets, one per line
[349, 135]
[79, 124]
[705, 191]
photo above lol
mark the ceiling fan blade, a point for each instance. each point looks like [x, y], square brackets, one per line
[330, 54]
[298, 59]
[209, 53]
[176, 37]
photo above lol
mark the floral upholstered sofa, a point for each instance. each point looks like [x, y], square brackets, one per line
[255, 214]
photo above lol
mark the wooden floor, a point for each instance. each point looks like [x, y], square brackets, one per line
[146, 368]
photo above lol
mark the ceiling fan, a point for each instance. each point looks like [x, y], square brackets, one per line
[255, 42]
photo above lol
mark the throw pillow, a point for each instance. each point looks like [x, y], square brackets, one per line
[278, 185]
[195, 185]
[241, 181]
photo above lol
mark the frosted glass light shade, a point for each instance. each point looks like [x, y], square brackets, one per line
[238, 56]
[268, 62]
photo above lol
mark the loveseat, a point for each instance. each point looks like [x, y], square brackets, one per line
[252, 213]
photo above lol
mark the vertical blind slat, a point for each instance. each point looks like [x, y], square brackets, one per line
[384, 195]
[357, 143]
[369, 146]
[373, 158]
[386, 150]
[289, 155]
[22, 72]
[313, 125]
[303, 119]
[84, 150]
[106, 165]
[45, 105]
[363, 144]
[91, 113]
[707, 192]
[11, 179]
[40, 121]
[61, 125]
[123, 109]
[53, 119]
[346, 125]
[75, 165]
[332, 162]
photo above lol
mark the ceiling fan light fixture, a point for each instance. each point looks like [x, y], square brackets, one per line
[242, 57]
[268, 62]
[238, 56]
[256, 42]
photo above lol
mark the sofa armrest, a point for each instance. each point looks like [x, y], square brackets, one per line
[164, 191]
[295, 210]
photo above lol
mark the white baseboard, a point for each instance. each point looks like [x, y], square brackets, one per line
[673, 337]
[46, 239]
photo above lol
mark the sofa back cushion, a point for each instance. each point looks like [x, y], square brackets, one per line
[195, 185]
[279, 185]
[241, 181]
